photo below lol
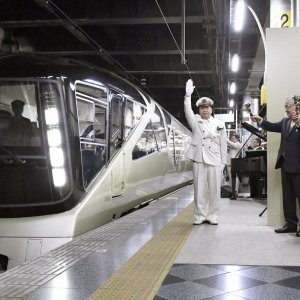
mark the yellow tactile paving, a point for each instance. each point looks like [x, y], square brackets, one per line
[141, 276]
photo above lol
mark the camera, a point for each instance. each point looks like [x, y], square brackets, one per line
[296, 100]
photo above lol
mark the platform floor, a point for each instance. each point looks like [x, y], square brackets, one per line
[241, 258]
[156, 253]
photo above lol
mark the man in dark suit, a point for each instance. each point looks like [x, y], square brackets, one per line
[288, 160]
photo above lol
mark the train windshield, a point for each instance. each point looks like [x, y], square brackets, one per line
[34, 169]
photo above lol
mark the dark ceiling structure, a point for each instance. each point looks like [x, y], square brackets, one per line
[157, 44]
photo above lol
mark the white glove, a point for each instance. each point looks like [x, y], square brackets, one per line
[189, 87]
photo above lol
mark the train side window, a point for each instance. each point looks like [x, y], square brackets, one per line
[139, 110]
[129, 118]
[159, 129]
[116, 114]
[115, 123]
[92, 116]
[86, 116]
[168, 121]
[91, 92]
[100, 122]
[181, 140]
[153, 138]
[146, 144]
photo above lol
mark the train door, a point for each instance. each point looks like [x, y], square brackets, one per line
[92, 112]
[116, 140]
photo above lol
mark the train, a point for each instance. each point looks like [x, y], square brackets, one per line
[80, 146]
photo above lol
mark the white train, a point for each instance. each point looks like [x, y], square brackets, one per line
[81, 147]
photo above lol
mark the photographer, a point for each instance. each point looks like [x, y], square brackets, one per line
[288, 160]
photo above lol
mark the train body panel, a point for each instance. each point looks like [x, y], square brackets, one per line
[20, 250]
[101, 147]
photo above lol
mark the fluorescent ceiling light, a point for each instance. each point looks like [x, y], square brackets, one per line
[235, 63]
[239, 15]
[231, 103]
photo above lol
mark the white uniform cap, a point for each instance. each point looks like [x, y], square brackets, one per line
[204, 101]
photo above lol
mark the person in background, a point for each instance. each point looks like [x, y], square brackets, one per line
[256, 144]
[21, 128]
[208, 151]
[254, 180]
[288, 159]
[234, 146]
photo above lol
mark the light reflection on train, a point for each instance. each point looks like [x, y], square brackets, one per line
[97, 146]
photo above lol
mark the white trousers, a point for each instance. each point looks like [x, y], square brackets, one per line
[207, 190]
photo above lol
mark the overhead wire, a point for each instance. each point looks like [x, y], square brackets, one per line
[173, 37]
[95, 44]
[101, 50]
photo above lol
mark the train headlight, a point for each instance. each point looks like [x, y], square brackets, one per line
[57, 151]
[59, 177]
[56, 157]
[54, 137]
[51, 115]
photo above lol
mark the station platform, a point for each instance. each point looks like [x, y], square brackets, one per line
[157, 253]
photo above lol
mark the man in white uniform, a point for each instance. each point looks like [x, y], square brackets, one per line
[208, 151]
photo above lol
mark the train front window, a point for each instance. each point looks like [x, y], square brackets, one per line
[34, 168]
[19, 125]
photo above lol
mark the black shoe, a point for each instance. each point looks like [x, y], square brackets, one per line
[287, 228]
[298, 233]
[234, 196]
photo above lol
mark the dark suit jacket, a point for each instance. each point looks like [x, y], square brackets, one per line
[289, 151]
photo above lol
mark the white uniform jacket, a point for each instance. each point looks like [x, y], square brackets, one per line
[209, 143]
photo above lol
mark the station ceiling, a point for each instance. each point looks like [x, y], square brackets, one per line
[151, 42]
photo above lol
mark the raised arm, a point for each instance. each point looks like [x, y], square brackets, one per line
[189, 114]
